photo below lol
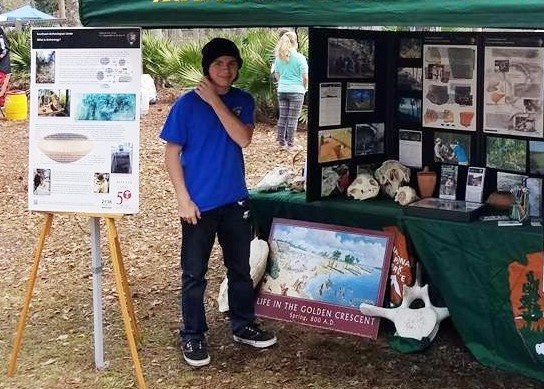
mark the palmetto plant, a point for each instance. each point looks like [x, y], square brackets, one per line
[19, 42]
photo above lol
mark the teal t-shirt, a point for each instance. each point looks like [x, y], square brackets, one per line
[291, 73]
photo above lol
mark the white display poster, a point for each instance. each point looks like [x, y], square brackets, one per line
[449, 87]
[84, 120]
[475, 184]
[410, 148]
[330, 103]
[513, 90]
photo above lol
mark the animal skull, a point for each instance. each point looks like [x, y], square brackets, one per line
[405, 195]
[391, 175]
[363, 187]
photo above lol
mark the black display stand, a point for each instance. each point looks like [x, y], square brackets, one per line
[396, 70]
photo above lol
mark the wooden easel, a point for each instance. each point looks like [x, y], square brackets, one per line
[125, 299]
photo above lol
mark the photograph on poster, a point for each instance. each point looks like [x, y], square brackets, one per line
[409, 110]
[536, 157]
[535, 196]
[449, 86]
[319, 274]
[334, 145]
[410, 147]
[350, 58]
[475, 184]
[45, 66]
[448, 181]
[506, 153]
[506, 181]
[409, 79]
[452, 148]
[367, 168]
[65, 147]
[369, 138]
[360, 97]
[42, 182]
[334, 180]
[106, 106]
[54, 102]
[410, 48]
[121, 158]
[101, 183]
[330, 103]
[513, 85]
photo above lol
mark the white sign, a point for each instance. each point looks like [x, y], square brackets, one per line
[84, 120]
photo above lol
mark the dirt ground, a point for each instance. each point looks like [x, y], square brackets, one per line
[57, 349]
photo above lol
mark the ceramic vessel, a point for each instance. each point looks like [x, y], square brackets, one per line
[426, 182]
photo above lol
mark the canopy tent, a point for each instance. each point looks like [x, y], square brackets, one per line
[270, 13]
[25, 13]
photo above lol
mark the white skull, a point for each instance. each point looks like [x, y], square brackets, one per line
[363, 187]
[391, 175]
[405, 195]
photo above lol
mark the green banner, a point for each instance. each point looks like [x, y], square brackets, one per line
[270, 13]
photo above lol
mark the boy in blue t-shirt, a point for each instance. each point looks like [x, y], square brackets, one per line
[205, 132]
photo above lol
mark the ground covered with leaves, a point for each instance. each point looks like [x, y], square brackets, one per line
[57, 347]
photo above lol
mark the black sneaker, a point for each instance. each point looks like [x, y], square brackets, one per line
[195, 352]
[254, 336]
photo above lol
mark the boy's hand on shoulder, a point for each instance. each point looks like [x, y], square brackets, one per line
[206, 91]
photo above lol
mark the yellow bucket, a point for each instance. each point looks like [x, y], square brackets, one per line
[15, 106]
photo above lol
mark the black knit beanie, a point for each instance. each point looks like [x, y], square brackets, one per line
[215, 49]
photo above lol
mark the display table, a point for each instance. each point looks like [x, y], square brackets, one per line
[466, 262]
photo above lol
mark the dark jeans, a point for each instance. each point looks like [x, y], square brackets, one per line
[232, 226]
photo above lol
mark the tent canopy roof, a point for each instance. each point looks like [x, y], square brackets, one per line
[26, 13]
[270, 13]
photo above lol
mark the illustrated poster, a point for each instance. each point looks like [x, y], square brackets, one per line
[84, 120]
[449, 87]
[513, 91]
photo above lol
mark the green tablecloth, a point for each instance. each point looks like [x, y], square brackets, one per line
[468, 263]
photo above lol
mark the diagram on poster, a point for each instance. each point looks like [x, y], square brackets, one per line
[84, 120]
[449, 87]
[513, 91]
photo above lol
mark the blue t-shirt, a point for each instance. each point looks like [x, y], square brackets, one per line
[213, 164]
[291, 72]
[460, 153]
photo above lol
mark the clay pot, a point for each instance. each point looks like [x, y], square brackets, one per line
[426, 182]
[501, 200]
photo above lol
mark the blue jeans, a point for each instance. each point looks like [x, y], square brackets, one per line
[232, 226]
[290, 106]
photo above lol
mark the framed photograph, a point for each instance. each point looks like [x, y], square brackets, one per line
[410, 48]
[535, 196]
[335, 180]
[369, 138]
[334, 145]
[506, 153]
[536, 157]
[445, 209]
[452, 148]
[360, 97]
[506, 181]
[350, 58]
[409, 79]
[409, 110]
[319, 274]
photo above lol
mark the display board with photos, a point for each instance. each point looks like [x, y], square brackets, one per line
[467, 102]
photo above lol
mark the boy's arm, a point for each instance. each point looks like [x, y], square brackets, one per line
[187, 209]
[239, 132]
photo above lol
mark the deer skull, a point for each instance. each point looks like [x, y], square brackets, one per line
[391, 175]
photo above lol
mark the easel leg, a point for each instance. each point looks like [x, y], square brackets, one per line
[125, 300]
[29, 289]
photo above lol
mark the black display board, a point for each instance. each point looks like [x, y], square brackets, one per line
[467, 99]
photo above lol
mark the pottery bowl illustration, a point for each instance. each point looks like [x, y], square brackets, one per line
[65, 147]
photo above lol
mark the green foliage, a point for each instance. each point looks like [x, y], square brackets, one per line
[47, 6]
[19, 41]
[179, 65]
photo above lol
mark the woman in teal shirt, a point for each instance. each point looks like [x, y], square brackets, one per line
[290, 69]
